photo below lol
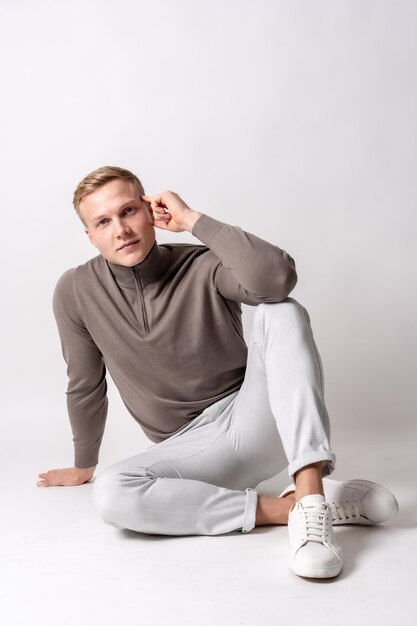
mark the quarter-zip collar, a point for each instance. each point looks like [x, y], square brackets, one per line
[149, 270]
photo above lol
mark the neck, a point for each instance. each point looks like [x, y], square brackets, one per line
[149, 270]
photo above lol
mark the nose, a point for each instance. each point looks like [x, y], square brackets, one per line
[121, 229]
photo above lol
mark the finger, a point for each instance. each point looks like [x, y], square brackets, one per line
[162, 220]
[161, 216]
[155, 201]
[155, 197]
[162, 225]
[152, 199]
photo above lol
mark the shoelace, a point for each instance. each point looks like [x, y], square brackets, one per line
[345, 511]
[314, 523]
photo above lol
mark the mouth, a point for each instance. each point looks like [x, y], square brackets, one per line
[129, 245]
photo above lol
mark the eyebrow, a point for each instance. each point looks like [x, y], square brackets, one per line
[124, 206]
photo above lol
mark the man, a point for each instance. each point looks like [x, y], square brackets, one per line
[165, 321]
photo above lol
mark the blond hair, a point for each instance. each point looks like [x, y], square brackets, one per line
[97, 179]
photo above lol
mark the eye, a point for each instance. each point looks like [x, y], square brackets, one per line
[130, 209]
[101, 222]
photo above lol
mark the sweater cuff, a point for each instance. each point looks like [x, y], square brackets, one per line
[205, 228]
[84, 459]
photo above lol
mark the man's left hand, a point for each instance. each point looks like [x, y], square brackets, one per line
[171, 213]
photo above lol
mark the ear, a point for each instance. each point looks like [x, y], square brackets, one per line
[152, 216]
[89, 235]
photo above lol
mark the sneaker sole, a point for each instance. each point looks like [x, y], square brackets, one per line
[392, 504]
[317, 572]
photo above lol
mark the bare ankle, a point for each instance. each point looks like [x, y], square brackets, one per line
[308, 481]
[273, 510]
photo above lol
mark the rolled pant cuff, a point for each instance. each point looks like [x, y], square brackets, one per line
[249, 516]
[313, 457]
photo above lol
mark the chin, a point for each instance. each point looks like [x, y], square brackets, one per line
[134, 262]
[130, 262]
[126, 262]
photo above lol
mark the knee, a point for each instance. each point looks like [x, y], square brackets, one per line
[118, 496]
[106, 492]
[287, 311]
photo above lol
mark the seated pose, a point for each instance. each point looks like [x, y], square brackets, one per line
[223, 416]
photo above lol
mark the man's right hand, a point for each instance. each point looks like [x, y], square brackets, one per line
[67, 477]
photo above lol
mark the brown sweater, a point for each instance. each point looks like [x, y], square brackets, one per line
[168, 330]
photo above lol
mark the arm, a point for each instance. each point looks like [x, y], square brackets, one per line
[250, 269]
[87, 388]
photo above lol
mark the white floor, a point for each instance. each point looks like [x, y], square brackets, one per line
[61, 565]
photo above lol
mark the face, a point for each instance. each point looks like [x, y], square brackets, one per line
[115, 216]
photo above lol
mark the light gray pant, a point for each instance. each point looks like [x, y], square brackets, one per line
[202, 479]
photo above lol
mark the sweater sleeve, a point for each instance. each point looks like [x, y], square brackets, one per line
[87, 387]
[250, 270]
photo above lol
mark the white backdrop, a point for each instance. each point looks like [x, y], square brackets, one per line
[292, 119]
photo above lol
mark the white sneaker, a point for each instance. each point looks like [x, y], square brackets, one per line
[357, 501]
[314, 553]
